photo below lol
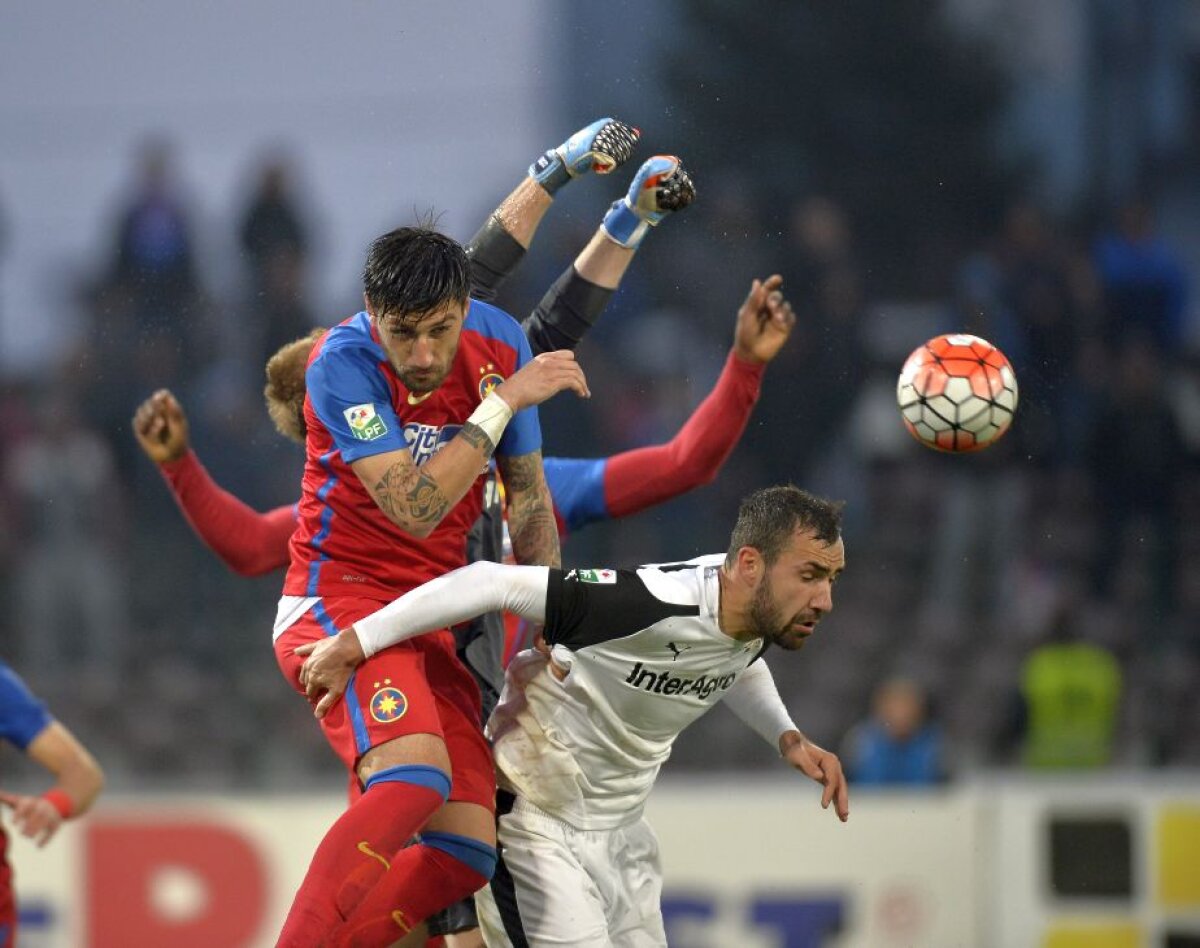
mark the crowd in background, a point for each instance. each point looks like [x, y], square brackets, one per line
[1035, 604]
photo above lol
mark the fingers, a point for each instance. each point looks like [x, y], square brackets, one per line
[325, 704]
[9, 799]
[305, 649]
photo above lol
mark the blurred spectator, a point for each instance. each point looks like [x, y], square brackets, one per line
[70, 592]
[1136, 455]
[1071, 694]
[154, 256]
[1145, 286]
[897, 744]
[275, 241]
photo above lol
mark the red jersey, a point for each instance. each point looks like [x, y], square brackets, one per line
[356, 407]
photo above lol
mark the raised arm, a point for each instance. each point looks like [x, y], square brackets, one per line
[448, 600]
[575, 300]
[638, 479]
[498, 247]
[248, 542]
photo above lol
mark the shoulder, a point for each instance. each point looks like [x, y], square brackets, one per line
[492, 323]
[348, 348]
[681, 582]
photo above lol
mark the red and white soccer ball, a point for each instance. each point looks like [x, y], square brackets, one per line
[957, 393]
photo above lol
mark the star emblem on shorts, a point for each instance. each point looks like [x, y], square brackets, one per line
[387, 704]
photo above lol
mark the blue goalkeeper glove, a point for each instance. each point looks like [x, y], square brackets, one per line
[601, 147]
[661, 186]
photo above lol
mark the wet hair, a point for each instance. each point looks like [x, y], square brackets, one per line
[412, 270]
[768, 518]
[285, 386]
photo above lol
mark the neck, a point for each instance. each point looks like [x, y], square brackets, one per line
[731, 619]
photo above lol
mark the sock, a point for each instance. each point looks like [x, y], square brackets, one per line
[396, 803]
[424, 878]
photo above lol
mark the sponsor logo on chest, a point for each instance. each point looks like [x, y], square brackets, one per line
[424, 441]
[702, 687]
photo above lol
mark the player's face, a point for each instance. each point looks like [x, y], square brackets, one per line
[422, 348]
[797, 590]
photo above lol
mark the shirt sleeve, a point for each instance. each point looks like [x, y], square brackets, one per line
[352, 400]
[577, 489]
[524, 433]
[22, 716]
[754, 698]
[588, 606]
[459, 595]
[248, 542]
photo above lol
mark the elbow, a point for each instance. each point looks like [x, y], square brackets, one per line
[418, 531]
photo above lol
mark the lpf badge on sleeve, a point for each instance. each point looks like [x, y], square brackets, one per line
[364, 424]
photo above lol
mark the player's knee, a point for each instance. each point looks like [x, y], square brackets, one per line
[475, 858]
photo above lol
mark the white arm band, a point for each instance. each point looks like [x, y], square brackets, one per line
[754, 698]
[460, 595]
[493, 416]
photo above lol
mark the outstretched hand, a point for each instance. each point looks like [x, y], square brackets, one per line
[764, 321]
[161, 427]
[823, 767]
[34, 817]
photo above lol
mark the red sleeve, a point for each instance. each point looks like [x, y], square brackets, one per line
[248, 542]
[644, 477]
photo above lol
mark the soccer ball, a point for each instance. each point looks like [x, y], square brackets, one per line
[957, 393]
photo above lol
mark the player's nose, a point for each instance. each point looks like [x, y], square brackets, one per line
[421, 356]
[823, 599]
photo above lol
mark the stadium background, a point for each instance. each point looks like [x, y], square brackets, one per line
[910, 168]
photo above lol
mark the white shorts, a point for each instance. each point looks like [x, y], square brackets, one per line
[557, 885]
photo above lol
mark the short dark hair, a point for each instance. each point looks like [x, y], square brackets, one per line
[412, 270]
[768, 518]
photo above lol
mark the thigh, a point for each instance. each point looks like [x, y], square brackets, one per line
[387, 697]
[456, 693]
[556, 903]
[636, 917]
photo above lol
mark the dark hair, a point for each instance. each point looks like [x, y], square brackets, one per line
[412, 270]
[285, 386]
[768, 518]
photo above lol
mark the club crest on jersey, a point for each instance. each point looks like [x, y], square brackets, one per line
[364, 424]
[424, 441]
[489, 380]
[605, 577]
[388, 704]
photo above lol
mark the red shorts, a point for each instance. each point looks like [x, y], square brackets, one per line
[8, 909]
[416, 687]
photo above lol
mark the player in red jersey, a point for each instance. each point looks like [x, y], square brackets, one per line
[25, 722]
[406, 404]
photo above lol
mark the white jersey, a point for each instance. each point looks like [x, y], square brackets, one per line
[644, 658]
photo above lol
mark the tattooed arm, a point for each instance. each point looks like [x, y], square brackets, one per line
[531, 521]
[417, 498]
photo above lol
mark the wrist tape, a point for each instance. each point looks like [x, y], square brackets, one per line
[492, 415]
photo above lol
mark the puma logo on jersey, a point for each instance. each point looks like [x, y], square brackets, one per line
[677, 650]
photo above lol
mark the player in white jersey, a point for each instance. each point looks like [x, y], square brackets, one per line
[629, 658]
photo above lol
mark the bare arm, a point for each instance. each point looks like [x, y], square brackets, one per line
[417, 498]
[78, 781]
[531, 522]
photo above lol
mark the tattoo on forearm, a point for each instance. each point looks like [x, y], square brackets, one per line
[409, 496]
[531, 521]
[476, 437]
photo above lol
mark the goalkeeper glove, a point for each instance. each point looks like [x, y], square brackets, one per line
[661, 185]
[601, 147]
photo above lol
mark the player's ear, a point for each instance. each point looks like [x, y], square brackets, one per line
[750, 565]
